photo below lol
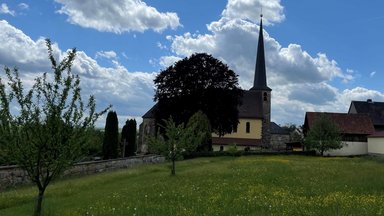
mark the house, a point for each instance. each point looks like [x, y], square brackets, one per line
[375, 110]
[376, 143]
[354, 129]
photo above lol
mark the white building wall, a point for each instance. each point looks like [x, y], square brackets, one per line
[376, 145]
[349, 148]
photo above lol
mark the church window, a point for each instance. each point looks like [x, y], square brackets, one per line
[248, 127]
[265, 96]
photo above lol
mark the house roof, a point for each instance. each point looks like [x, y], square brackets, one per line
[348, 123]
[375, 110]
[276, 129]
[251, 106]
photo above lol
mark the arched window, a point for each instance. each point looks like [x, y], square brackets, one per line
[265, 96]
[248, 127]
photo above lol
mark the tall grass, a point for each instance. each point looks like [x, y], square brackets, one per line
[249, 185]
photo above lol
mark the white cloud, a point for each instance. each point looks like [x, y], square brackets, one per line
[166, 61]
[23, 6]
[117, 16]
[372, 74]
[131, 93]
[300, 81]
[4, 9]
[272, 10]
[106, 54]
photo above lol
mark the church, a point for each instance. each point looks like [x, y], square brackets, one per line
[255, 129]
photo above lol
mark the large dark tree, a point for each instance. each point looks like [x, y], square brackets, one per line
[199, 82]
[128, 137]
[111, 136]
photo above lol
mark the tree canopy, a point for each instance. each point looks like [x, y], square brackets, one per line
[199, 82]
[324, 135]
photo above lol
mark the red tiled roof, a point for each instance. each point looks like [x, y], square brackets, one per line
[237, 141]
[348, 123]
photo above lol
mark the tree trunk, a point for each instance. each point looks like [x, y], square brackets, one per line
[39, 202]
[173, 171]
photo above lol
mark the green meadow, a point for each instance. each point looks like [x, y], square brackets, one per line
[247, 185]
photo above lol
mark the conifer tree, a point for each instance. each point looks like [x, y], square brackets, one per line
[111, 136]
[131, 138]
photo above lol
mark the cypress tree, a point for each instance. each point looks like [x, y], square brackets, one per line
[124, 139]
[131, 137]
[111, 133]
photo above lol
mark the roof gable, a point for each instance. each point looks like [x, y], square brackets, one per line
[276, 129]
[348, 123]
[375, 110]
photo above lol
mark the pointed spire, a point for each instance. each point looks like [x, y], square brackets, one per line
[260, 81]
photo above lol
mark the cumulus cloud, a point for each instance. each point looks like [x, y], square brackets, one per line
[300, 81]
[117, 16]
[131, 93]
[272, 10]
[106, 54]
[166, 61]
[4, 9]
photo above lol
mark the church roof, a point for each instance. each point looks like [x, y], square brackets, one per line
[375, 110]
[151, 113]
[251, 106]
[348, 123]
[276, 129]
[260, 81]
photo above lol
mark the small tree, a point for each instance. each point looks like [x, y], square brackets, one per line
[324, 135]
[198, 125]
[46, 132]
[111, 136]
[175, 141]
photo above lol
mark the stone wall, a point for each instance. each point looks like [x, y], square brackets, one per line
[278, 141]
[13, 175]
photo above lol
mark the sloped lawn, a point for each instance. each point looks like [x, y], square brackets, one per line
[248, 185]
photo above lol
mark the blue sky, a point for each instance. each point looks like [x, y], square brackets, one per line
[320, 54]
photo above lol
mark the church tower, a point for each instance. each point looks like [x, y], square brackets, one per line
[260, 85]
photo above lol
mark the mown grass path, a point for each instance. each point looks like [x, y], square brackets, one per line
[249, 185]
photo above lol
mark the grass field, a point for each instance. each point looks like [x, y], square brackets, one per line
[248, 185]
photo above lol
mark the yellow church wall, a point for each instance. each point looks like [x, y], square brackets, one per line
[254, 133]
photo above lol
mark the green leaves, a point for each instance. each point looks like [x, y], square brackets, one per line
[199, 82]
[47, 127]
[324, 135]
